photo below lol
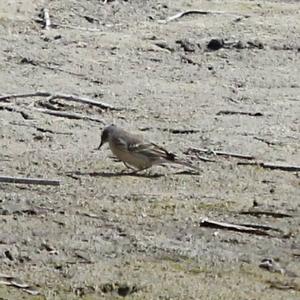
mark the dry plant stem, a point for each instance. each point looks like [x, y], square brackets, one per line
[56, 68]
[47, 18]
[82, 100]
[205, 159]
[82, 76]
[16, 282]
[55, 113]
[234, 227]
[40, 129]
[11, 108]
[73, 98]
[245, 113]
[197, 12]
[258, 213]
[80, 28]
[221, 153]
[67, 115]
[260, 226]
[266, 165]
[37, 181]
[100, 31]
[272, 166]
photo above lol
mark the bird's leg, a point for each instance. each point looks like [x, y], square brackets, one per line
[128, 167]
[135, 171]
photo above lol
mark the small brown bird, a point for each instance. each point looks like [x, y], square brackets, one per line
[135, 153]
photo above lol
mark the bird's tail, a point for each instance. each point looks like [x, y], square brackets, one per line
[185, 163]
[168, 157]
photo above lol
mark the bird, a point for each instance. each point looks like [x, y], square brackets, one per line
[135, 153]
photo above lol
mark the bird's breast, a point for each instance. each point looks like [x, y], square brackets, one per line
[134, 159]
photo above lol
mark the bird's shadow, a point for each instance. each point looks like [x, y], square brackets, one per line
[74, 174]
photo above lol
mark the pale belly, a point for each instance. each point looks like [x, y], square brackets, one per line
[136, 160]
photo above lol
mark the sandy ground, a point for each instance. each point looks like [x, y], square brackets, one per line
[106, 235]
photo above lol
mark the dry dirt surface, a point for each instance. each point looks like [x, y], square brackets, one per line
[224, 82]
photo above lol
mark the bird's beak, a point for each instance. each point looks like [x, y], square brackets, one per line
[101, 143]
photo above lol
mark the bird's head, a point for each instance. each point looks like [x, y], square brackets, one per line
[105, 134]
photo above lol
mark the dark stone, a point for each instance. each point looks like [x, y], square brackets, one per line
[124, 290]
[215, 44]
[8, 254]
[240, 45]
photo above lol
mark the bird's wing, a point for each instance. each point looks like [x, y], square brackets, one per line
[121, 144]
[151, 150]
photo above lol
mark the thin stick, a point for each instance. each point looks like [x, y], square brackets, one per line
[40, 129]
[56, 113]
[16, 282]
[180, 131]
[198, 12]
[245, 113]
[11, 108]
[234, 227]
[267, 165]
[83, 100]
[100, 31]
[266, 213]
[56, 68]
[68, 115]
[221, 153]
[269, 143]
[61, 96]
[46, 18]
[39, 181]
[27, 95]
[260, 226]
[272, 166]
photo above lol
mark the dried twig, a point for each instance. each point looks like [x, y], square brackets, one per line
[40, 181]
[273, 214]
[52, 96]
[198, 156]
[198, 12]
[221, 153]
[16, 282]
[272, 166]
[87, 214]
[284, 285]
[47, 22]
[83, 100]
[202, 158]
[267, 165]
[172, 130]
[48, 66]
[260, 226]
[269, 143]
[55, 24]
[40, 129]
[68, 115]
[180, 131]
[49, 248]
[56, 113]
[84, 258]
[271, 265]
[11, 108]
[245, 113]
[188, 60]
[234, 227]
[90, 19]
